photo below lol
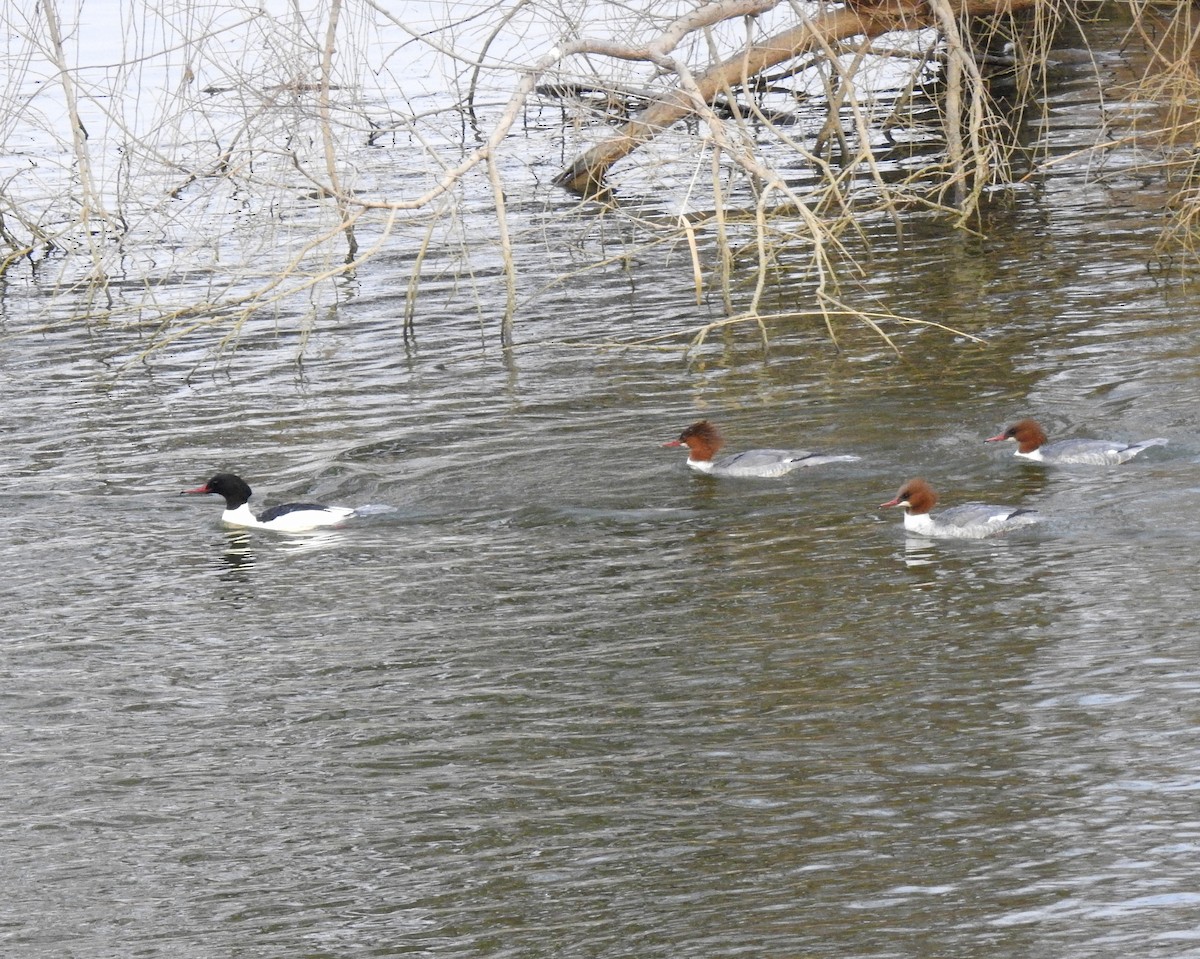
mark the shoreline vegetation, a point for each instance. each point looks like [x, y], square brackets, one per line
[185, 173]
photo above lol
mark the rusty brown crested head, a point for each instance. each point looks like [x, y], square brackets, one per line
[916, 496]
[1027, 434]
[702, 439]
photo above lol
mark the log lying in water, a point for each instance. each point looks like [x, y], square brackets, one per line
[859, 18]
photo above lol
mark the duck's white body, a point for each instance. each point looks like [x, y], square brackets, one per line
[1032, 446]
[764, 463]
[293, 518]
[703, 440]
[288, 518]
[969, 521]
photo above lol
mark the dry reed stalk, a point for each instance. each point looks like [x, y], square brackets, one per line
[725, 253]
[323, 105]
[506, 253]
[414, 282]
[91, 206]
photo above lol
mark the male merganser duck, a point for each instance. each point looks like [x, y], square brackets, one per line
[969, 521]
[289, 518]
[703, 440]
[1031, 445]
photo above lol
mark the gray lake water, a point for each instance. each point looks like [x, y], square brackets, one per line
[557, 696]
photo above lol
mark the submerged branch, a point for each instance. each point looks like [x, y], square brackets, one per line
[804, 133]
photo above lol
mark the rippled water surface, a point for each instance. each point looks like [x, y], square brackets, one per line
[554, 695]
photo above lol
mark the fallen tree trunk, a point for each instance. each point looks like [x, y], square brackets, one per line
[586, 174]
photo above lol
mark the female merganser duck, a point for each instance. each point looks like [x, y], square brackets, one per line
[1031, 445]
[969, 521]
[703, 440]
[289, 518]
